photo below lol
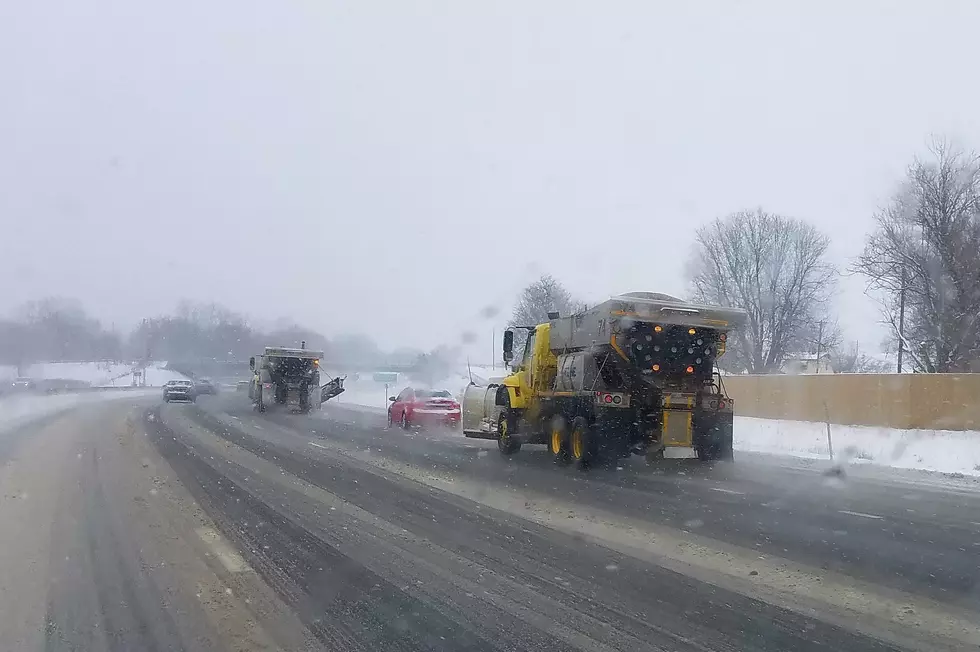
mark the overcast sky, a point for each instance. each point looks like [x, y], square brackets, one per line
[394, 167]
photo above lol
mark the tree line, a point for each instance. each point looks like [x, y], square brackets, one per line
[60, 330]
[921, 264]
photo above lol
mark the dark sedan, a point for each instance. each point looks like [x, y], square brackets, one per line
[205, 386]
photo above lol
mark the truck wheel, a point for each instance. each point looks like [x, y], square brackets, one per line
[558, 440]
[506, 443]
[582, 442]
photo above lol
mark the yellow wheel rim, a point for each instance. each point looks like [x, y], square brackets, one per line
[556, 441]
[577, 447]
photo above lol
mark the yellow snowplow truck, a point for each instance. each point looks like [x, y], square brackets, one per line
[633, 375]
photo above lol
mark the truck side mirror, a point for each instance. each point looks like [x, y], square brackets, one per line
[508, 346]
[391, 398]
[251, 363]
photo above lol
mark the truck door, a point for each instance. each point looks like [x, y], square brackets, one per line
[527, 366]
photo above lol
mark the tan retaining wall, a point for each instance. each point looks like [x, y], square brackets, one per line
[928, 401]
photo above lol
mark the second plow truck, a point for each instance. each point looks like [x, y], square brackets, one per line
[291, 378]
[635, 374]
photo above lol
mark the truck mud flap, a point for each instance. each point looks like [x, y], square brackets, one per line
[713, 427]
[334, 388]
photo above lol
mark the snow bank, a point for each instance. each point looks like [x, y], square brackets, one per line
[97, 373]
[361, 390]
[946, 451]
[17, 410]
[156, 376]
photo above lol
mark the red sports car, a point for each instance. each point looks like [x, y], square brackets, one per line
[423, 407]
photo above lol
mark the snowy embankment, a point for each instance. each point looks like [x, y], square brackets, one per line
[946, 451]
[363, 391]
[19, 409]
[96, 374]
[930, 450]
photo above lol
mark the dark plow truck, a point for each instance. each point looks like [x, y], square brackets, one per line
[634, 375]
[290, 378]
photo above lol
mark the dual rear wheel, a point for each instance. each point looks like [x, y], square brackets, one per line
[575, 443]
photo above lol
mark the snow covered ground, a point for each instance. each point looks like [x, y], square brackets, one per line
[18, 409]
[930, 450]
[364, 391]
[156, 376]
[98, 374]
[946, 451]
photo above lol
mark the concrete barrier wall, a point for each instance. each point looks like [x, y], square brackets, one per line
[926, 401]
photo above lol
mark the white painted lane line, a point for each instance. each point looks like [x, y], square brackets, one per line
[861, 514]
[221, 549]
[728, 491]
[313, 443]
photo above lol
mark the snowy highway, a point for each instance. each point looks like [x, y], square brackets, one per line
[130, 524]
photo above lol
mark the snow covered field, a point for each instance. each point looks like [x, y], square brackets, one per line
[930, 450]
[156, 376]
[98, 374]
[19, 409]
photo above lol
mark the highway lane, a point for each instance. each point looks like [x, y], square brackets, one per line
[102, 549]
[136, 525]
[819, 523]
[480, 578]
[922, 538]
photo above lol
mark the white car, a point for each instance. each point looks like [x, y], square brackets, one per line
[179, 390]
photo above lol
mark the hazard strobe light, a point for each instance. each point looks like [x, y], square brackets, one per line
[656, 367]
[657, 329]
[690, 370]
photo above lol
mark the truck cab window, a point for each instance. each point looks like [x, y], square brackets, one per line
[528, 348]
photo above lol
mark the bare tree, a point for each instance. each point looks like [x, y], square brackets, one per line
[852, 361]
[536, 301]
[773, 267]
[923, 254]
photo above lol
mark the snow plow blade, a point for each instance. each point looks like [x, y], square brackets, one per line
[334, 388]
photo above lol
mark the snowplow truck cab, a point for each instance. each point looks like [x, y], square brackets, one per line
[286, 377]
[634, 375]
